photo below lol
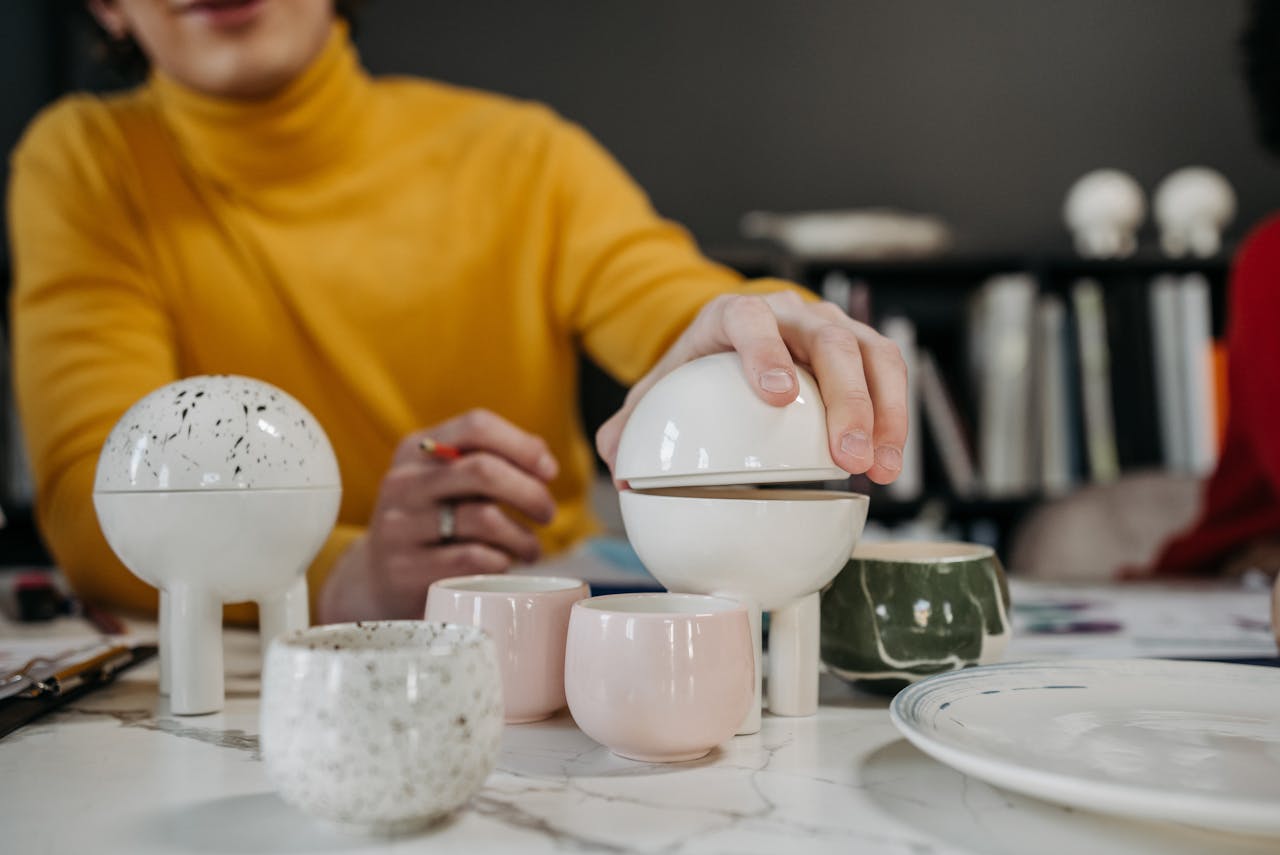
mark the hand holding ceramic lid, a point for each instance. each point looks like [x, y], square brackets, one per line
[861, 374]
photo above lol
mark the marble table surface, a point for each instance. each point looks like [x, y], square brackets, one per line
[115, 773]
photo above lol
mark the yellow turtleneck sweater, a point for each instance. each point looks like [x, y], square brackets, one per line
[392, 252]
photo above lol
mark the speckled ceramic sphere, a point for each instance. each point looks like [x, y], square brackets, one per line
[225, 482]
[901, 611]
[216, 490]
[220, 432]
[381, 727]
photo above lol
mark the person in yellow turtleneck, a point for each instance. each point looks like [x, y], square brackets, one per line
[405, 257]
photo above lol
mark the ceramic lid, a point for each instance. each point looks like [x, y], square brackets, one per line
[703, 425]
[216, 433]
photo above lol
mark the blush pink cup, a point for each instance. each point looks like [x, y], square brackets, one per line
[528, 618]
[659, 677]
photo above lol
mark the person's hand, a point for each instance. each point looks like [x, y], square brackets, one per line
[861, 374]
[440, 518]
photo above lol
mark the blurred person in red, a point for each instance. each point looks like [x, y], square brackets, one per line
[1238, 528]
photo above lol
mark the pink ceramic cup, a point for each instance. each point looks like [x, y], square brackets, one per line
[659, 677]
[527, 617]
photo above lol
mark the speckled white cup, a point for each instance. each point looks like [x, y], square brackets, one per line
[381, 727]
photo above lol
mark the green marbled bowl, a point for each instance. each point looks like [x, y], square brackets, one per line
[901, 611]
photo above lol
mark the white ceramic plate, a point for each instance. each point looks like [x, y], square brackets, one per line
[1190, 742]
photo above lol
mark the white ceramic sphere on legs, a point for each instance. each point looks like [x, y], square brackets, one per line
[700, 430]
[216, 490]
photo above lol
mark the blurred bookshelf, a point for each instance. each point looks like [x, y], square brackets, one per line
[1033, 374]
[938, 301]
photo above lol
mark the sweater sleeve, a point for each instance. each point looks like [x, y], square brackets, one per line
[91, 334]
[626, 282]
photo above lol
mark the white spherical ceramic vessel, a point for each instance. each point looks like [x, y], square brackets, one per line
[702, 424]
[771, 549]
[214, 490]
[702, 427]
[1193, 206]
[1103, 210]
[381, 727]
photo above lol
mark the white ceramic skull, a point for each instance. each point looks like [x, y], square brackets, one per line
[1193, 206]
[1103, 211]
[216, 490]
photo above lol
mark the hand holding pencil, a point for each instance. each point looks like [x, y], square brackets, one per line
[442, 511]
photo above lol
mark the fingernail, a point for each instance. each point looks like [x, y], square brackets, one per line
[889, 458]
[856, 444]
[777, 380]
[547, 467]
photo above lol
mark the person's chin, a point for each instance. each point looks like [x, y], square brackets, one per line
[250, 69]
[254, 59]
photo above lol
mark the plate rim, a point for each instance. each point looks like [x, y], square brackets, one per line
[1110, 797]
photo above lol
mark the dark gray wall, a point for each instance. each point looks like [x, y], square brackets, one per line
[30, 58]
[983, 111]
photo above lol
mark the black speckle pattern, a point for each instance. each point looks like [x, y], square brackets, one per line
[361, 727]
[216, 433]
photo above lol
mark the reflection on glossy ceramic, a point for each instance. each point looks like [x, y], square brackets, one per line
[659, 677]
[704, 424]
[216, 489]
[770, 549]
[901, 611]
[384, 727]
[1191, 742]
[527, 617]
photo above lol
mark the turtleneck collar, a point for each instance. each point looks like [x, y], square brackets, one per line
[312, 125]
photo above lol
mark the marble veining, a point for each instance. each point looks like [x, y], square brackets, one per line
[142, 782]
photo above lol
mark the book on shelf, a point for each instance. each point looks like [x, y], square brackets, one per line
[1197, 354]
[1001, 334]
[946, 428]
[1187, 381]
[835, 288]
[1133, 374]
[853, 294]
[1166, 330]
[909, 484]
[1051, 385]
[1095, 381]
[1222, 397]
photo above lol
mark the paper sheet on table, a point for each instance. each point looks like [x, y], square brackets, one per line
[1211, 622]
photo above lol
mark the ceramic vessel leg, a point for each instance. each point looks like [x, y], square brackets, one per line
[283, 613]
[163, 645]
[195, 652]
[793, 657]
